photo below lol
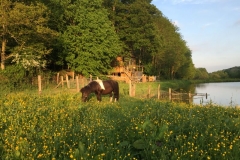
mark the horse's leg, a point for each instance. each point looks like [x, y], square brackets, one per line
[98, 95]
[115, 95]
[111, 96]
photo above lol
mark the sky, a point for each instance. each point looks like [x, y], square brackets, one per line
[211, 29]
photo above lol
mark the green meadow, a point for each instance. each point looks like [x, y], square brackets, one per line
[59, 126]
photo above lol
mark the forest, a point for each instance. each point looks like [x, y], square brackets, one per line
[222, 75]
[86, 36]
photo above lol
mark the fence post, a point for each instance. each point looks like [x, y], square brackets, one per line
[133, 89]
[159, 91]
[39, 84]
[189, 97]
[170, 94]
[90, 78]
[77, 83]
[57, 77]
[62, 80]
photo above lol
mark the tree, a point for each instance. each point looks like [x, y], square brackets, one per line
[90, 42]
[187, 70]
[151, 38]
[233, 72]
[24, 28]
[218, 75]
[173, 59]
[60, 17]
[133, 22]
[201, 73]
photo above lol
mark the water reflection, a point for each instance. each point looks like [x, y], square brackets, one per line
[226, 94]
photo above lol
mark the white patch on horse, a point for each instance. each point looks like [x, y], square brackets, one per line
[100, 83]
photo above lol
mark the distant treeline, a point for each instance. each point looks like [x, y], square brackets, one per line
[230, 73]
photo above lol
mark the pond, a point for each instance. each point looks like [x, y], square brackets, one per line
[224, 93]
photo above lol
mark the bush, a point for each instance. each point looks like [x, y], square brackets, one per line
[12, 78]
[17, 78]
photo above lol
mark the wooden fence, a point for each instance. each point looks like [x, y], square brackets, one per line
[65, 82]
[151, 92]
[171, 95]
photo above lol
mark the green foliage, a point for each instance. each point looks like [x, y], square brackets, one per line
[173, 58]
[187, 70]
[90, 43]
[218, 75]
[61, 127]
[223, 75]
[16, 78]
[87, 35]
[12, 78]
[201, 73]
[137, 23]
[30, 57]
[25, 35]
[233, 72]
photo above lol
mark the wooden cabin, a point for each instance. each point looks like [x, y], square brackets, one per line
[127, 69]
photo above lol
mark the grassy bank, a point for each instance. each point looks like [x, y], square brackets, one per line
[142, 88]
[59, 126]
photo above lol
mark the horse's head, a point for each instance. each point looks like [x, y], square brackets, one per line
[85, 93]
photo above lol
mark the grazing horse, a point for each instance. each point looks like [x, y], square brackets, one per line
[111, 87]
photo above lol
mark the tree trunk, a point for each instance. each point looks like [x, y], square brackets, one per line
[4, 43]
[4, 40]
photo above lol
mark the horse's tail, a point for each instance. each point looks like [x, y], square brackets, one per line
[116, 93]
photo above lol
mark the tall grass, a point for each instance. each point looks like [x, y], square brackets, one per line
[142, 89]
[59, 126]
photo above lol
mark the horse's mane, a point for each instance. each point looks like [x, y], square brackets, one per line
[92, 86]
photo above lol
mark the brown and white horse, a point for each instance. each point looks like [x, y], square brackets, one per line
[111, 87]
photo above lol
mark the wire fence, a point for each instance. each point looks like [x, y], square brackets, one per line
[131, 89]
